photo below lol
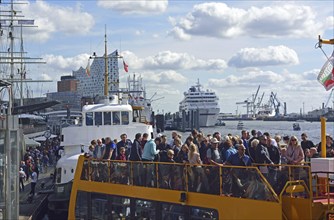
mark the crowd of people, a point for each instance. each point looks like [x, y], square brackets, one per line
[250, 148]
[37, 160]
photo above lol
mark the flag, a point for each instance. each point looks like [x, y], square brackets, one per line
[88, 68]
[326, 74]
[125, 67]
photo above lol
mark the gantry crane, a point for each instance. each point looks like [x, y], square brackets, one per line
[250, 103]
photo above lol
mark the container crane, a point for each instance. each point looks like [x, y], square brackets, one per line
[250, 104]
[275, 103]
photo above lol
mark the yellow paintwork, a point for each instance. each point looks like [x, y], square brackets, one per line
[285, 206]
[323, 137]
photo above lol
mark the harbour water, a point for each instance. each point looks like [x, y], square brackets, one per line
[312, 129]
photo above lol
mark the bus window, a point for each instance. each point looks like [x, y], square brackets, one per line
[89, 118]
[116, 118]
[107, 118]
[125, 118]
[98, 118]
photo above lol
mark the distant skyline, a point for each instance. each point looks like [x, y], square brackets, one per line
[232, 47]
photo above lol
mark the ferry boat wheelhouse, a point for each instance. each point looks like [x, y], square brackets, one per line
[115, 190]
[206, 102]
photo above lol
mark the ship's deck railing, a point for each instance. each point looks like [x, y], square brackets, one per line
[233, 181]
[323, 188]
[279, 174]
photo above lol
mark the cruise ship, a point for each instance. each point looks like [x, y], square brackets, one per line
[205, 101]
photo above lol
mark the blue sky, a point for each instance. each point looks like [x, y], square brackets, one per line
[232, 47]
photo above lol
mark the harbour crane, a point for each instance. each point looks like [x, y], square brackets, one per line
[275, 103]
[250, 103]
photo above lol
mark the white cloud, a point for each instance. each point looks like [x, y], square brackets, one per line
[135, 7]
[168, 78]
[58, 20]
[168, 60]
[217, 19]
[72, 63]
[269, 56]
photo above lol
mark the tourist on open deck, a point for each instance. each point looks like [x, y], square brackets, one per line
[135, 150]
[177, 146]
[163, 147]
[305, 143]
[294, 152]
[124, 142]
[182, 156]
[229, 151]
[212, 154]
[329, 146]
[109, 152]
[150, 149]
[98, 150]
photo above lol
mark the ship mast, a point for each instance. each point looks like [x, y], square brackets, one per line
[11, 20]
[106, 87]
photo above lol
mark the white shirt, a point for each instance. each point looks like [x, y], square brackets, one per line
[22, 174]
[34, 177]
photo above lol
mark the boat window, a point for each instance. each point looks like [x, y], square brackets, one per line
[173, 211]
[107, 118]
[116, 118]
[81, 207]
[202, 213]
[58, 175]
[100, 207]
[98, 118]
[89, 118]
[125, 118]
[146, 209]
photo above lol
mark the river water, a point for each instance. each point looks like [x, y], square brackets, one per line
[312, 129]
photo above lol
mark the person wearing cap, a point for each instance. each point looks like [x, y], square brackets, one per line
[212, 154]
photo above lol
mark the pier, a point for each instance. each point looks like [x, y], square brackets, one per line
[37, 208]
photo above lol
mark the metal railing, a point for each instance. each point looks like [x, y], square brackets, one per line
[323, 187]
[232, 181]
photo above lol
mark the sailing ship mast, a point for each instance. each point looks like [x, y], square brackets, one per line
[11, 19]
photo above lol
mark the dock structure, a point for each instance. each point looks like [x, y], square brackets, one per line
[37, 208]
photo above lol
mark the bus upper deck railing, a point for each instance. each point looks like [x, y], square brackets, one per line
[256, 182]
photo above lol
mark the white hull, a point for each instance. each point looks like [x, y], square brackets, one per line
[208, 117]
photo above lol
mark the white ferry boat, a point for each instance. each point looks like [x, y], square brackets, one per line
[110, 118]
[204, 101]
